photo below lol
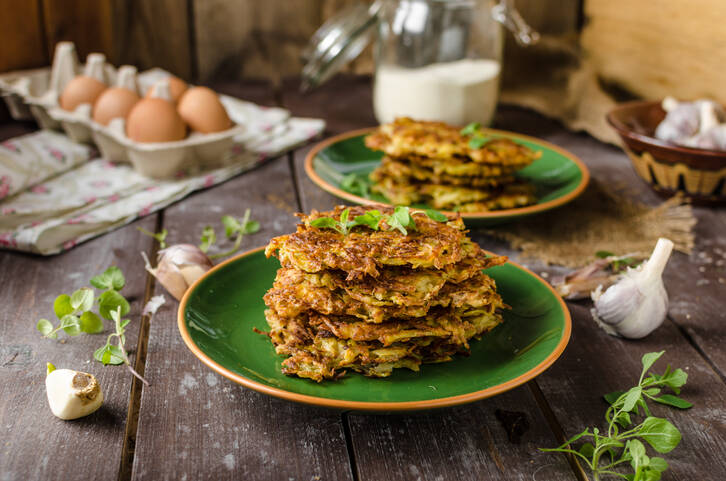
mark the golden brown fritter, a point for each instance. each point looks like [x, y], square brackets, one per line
[455, 198]
[405, 137]
[295, 292]
[321, 345]
[410, 172]
[365, 251]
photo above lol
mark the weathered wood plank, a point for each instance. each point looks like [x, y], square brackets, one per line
[154, 33]
[492, 439]
[22, 46]
[194, 424]
[87, 23]
[36, 445]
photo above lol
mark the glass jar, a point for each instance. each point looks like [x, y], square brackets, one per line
[435, 59]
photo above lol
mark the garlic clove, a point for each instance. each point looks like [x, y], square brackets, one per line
[637, 304]
[179, 266]
[72, 394]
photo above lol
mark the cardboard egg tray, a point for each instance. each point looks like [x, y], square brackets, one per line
[34, 94]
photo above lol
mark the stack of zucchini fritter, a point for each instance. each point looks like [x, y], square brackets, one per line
[374, 300]
[434, 163]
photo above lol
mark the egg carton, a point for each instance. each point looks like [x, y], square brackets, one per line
[35, 94]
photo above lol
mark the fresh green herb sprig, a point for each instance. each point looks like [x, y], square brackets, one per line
[622, 442]
[357, 184]
[159, 236]
[75, 311]
[234, 229]
[401, 220]
[207, 239]
[619, 264]
[115, 354]
[473, 130]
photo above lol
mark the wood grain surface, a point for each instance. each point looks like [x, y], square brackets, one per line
[36, 444]
[193, 424]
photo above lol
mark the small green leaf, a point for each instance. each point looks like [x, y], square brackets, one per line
[587, 450]
[82, 299]
[649, 359]
[401, 219]
[91, 323]
[637, 452]
[660, 434]
[49, 368]
[657, 463]
[631, 397]
[326, 223]
[71, 324]
[471, 129]
[613, 396]
[231, 225]
[159, 236]
[344, 216]
[603, 254]
[676, 379]
[110, 301]
[477, 142]
[357, 184]
[111, 278]
[675, 401]
[209, 237]
[109, 354]
[250, 227]
[124, 323]
[436, 215]
[371, 219]
[45, 327]
[62, 306]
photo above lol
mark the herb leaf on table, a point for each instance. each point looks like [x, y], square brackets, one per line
[622, 442]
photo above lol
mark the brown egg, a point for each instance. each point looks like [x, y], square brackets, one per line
[114, 102]
[177, 87]
[201, 109]
[80, 90]
[155, 120]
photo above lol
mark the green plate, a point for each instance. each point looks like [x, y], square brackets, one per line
[558, 175]
[218, 313]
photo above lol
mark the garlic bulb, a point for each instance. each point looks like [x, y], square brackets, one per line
[72, 394]
[637, 304]
[178, 267]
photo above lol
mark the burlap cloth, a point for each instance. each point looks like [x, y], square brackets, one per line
[600, 220]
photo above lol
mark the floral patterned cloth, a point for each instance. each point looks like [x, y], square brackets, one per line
[55, 193]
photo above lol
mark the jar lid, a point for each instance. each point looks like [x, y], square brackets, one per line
[337, 42]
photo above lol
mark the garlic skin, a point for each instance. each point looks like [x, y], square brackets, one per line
[178, 267]
[72, 394]
[637, 304]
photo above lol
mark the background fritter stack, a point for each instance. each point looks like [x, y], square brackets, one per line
[434, 164]
[375, 300]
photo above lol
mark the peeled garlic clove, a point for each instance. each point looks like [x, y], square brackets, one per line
[72, 394]
[179, 266]
[637, 304]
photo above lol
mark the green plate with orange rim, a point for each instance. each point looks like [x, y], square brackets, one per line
[219, 312]
[557, 175]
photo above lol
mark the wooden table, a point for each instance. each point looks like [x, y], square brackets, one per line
[191, 423]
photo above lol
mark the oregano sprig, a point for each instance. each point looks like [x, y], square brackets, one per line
[237, 229]
[115, 354]
[401, 220]
[622, 443]
[159, 236]
[357, 184]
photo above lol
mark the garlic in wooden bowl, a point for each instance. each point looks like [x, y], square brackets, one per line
[72, 394]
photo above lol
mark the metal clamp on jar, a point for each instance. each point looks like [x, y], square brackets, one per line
[435, 59]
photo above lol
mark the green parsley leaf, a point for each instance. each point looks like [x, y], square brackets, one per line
[675, 401]
[208, 239]
[110, 301]
[62, 306]
[436, 215]
[46, 328]
[90, 323]
[71, 324]
[109, 354]
[471, 129]
[82, 299]
[660, 434]
[371, 219]
[111, 278]
[326, 223]
[477, 142]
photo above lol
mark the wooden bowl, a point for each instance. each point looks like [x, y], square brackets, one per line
[700, 174]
